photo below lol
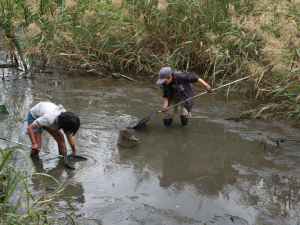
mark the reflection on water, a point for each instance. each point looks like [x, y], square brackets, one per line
[73, 191]
[206, 173]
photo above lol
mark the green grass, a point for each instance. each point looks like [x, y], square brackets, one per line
[136, 38]
[17, 204]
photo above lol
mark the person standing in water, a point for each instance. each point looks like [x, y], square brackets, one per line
[57, 122]
[176, 87]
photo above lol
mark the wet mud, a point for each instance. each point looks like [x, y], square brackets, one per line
[127, 138]
[213, 171]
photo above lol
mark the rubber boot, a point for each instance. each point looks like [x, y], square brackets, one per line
[184, 120]
[168, 122]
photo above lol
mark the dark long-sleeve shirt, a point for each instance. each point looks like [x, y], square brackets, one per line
[181, 88]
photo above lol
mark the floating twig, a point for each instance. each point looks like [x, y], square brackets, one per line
[126, 77]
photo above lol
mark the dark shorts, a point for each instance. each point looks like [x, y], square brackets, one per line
[30, 120]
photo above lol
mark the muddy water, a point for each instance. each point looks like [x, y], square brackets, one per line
[212, 172]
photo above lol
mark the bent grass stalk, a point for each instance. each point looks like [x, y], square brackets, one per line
[14, 183]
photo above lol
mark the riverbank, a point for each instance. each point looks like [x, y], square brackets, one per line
[220, 41]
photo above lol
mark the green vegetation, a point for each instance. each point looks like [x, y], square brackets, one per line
[17, 205]
[134, 36]
[220, 40]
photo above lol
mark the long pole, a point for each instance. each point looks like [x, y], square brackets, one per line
[205, 92]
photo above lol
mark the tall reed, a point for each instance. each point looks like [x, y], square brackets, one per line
[217, 39]
[135, 36]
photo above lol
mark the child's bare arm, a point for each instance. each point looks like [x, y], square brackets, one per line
[30, 131]
[71, 141]
[205, 84]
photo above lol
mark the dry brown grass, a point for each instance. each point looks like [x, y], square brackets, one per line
[70, 3]
[117, 3]
[33, 51]
[278, 30]
[33, 5]
[89, 16]
[32, 30]
[162, 5]
[67, 36]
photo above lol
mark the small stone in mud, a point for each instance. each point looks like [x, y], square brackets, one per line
[127, 138]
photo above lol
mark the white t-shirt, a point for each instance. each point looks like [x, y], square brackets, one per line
[45, 114]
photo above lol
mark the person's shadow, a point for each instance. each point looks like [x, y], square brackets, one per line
[46, 181]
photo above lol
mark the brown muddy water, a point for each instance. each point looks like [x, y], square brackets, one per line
[212, 172]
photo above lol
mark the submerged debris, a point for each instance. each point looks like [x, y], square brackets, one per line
[127, 138]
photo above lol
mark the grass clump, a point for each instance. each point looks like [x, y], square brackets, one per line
[17, 205]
